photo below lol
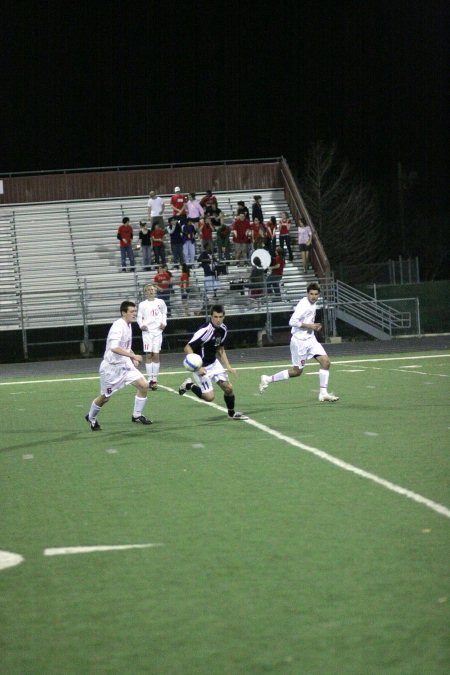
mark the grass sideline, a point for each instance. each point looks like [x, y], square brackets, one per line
[271, 559]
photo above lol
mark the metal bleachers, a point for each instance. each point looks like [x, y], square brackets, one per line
[60, 262]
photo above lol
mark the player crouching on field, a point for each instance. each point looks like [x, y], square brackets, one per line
[119, 368]
[208, 342]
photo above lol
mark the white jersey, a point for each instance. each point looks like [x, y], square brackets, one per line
[153, 314]
[305, 312]
[120, 335]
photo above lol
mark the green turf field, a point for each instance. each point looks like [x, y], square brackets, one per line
[313, 538]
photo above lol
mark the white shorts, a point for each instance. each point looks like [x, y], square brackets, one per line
[302, 350]
[113, 378]
[152, 342]
[214, 373]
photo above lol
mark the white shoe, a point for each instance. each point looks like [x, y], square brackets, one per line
[238, 416]
[328, 397]
[264, 383]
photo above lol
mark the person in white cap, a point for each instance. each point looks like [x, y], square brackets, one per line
[178, 204]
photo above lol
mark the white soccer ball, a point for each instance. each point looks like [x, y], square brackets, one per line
[192, 362]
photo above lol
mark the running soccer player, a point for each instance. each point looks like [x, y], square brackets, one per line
[152, 319]
[119, 368]
[208, 342]
[304, 345]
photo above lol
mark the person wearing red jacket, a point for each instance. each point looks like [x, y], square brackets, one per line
[241, 235]
[125, 237]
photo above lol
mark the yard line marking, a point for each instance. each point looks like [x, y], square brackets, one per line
[265, 367]
[8, 559]
[70, 550]
[393, 487]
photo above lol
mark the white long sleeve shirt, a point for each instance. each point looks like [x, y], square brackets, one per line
[305, 312]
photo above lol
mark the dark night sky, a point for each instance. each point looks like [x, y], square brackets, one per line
[126, 83]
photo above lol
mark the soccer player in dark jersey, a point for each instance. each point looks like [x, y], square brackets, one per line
[208, 342]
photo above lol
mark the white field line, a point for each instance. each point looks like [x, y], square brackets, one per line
[265, 367]
[70, 550]
[439, 508]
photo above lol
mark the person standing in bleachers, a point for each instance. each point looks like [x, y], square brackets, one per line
[188, 230]
[270, 236]
[194, 209]
[145, 245]
[276, 274]
[240, 235]
[256, 209]
[304, 243]
[157, 237]
[285, 233]
[178, 203]
[125, 237]
[155, 208]
[176, 240]
[208, 200]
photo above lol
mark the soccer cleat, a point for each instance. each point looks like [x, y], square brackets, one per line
[238, 416]
[95, 426]
[153, 385]
[141, 419]
[328, 397]
[264, 383]
[183, 386]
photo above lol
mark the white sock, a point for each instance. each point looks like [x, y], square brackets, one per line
[149, 371]
[139, 404]
[324, 376]
[93, 412]
[282, 375]
[156, 367]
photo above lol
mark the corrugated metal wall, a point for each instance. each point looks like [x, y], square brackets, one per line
[126, 183]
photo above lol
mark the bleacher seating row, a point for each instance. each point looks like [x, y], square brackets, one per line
[60, 263]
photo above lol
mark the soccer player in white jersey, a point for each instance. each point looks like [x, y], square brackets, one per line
[304, 345]
[119, 368]
[152, 319]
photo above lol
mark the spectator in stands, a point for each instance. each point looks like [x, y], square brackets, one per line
[155, 208]
[163, 282]
[178, 203]
[189, 231]
[205, 230]
[157, 238]
[145, 245]
[241, 208]
[223, 233]
[257, 234]
[256, 209]
[194, 208]
[276, 273]
[208, 200]
[176, 240]
[256, 279]
[216, 215]
[185, 288]
[270, 236]
[304, 243]
[240, 236]
[125, 237]
[211, 282]
[285, 234]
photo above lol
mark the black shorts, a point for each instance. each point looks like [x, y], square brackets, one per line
[305, 247]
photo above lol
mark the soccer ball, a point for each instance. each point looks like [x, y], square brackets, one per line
[192, 362]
